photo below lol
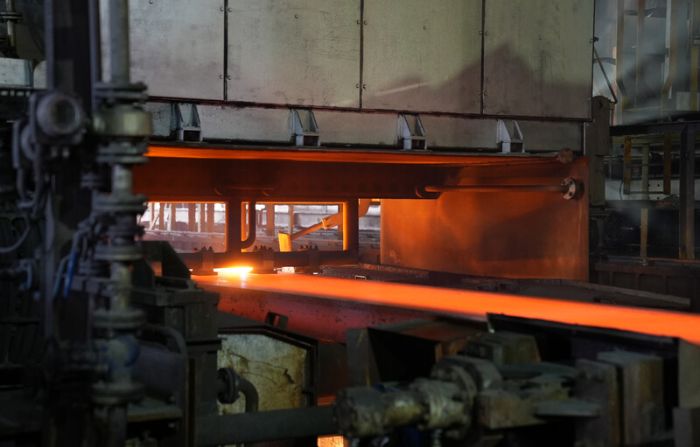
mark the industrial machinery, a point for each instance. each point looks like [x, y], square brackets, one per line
[380, 214]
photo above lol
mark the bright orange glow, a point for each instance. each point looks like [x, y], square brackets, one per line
[332, 155]
[468, 303]
[330, 441]
[234, 272]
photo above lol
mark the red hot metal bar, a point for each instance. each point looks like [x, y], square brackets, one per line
[470, 304]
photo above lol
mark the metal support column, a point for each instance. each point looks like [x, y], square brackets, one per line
[202, 217]
[687, 194]
[668, 162]
[270, 219]
[161, 216]
[351, 226]
[173, 217]
[211, 218]
[192, 216]
[233, 226]
[644, 212]
[627, 166]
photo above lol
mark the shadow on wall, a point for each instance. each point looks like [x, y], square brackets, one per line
[511, 87]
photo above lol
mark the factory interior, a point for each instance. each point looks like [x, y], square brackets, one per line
[349, 223]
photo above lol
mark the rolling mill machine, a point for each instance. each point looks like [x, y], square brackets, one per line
[317, 222]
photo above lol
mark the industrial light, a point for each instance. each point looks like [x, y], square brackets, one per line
[235, 271]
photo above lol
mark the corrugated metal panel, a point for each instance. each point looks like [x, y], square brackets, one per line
[538, 57]
[177, 47]
[302, 52]
[423, 55]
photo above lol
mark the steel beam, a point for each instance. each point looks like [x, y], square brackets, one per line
[464, 303]
[687, 195]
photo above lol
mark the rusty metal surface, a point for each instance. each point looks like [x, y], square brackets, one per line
[335, 294]
[642, 385]
[258, 358]
[597, 383]
[209, 173]
[505, 234]
[325, 320]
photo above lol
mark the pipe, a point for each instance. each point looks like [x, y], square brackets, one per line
[168, 332]
[252, 227]
[266, 426]
[250, 393]
[161, 371]
[495, 188]
[233, 227]
[10, 25]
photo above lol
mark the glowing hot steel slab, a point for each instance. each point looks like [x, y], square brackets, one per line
[466, 303]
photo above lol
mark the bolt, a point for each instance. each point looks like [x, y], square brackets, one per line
[296, 16]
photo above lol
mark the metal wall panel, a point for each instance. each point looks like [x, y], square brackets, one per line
[506, 234]
[301, 52]
[551, 136]
[358, 128]
[422, 55]
[251, 124]
[538, 57]
[177, 47]
[463, 133]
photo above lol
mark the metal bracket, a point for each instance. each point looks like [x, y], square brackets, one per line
[305, 128]
[510, 137]
[185, 124]
[412, 133]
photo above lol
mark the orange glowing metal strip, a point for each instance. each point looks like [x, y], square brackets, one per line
[341, 156]
[471, 303]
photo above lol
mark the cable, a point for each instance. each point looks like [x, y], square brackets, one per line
[18, 243]
[68, 283]
[59, 277]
